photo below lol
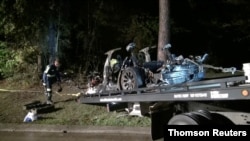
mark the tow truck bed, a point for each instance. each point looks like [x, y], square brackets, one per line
[229, 88]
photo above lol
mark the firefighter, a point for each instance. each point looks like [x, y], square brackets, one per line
[51, 75]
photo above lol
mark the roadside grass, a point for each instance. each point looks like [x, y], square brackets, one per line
[67, 110]
[91, 115]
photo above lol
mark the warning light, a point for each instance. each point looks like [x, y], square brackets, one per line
[245, 92]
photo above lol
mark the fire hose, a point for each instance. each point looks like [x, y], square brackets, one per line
[29, 91]
[14, 91]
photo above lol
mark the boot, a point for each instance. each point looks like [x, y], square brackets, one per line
[49, 97]
[49, 102]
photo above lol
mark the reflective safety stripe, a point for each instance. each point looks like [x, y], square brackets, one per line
[47, 69]
[49, 75]
[48, 89]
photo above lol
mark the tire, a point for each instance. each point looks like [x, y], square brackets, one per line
[132, 78]
[218, 119]
[189, 119]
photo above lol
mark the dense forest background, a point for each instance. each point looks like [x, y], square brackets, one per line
[79, 32]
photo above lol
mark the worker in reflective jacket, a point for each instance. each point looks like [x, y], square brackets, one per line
[50, 76]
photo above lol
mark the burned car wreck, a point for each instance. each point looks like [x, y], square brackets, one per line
[130, 73]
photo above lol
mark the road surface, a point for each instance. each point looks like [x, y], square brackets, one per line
[30, 132]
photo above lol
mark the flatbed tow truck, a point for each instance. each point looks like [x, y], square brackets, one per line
[215, 101]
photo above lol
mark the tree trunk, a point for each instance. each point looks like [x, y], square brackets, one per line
[164, 34]
[39, 65]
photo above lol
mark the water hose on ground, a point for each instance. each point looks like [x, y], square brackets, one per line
[29, 91]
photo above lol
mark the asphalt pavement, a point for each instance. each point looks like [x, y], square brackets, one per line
[30, 127]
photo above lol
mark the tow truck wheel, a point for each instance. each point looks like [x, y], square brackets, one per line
[188, 119]
[219, 119]
[131, 78]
